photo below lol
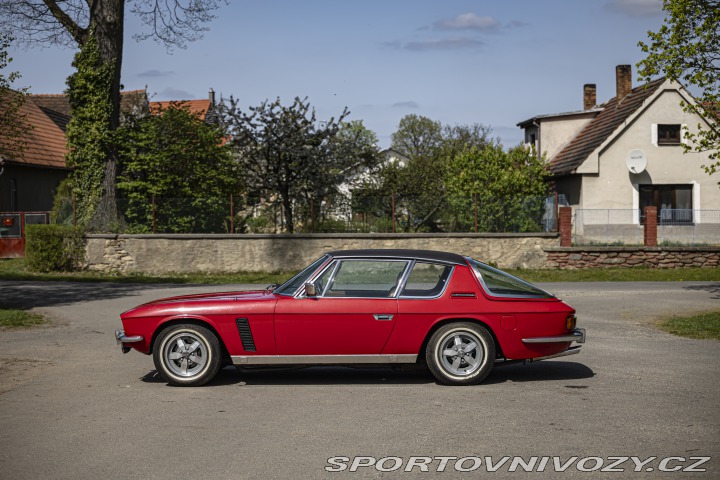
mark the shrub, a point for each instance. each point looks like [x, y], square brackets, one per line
[54, 247]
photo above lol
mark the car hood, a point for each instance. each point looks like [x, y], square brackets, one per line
[203, 302]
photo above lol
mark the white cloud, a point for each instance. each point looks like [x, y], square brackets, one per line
[469, 21]
[460, 43]
[636, 8]
[407, 104]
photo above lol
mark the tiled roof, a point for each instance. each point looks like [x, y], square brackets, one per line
[197, 107]
[56, 102]
[613, 114]
[131, 101]
[60, 119]
[44, 141]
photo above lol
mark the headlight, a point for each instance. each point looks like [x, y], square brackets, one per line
[570, 322]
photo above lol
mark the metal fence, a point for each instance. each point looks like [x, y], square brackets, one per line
[625, 227]
[338, 214]
[688, 227]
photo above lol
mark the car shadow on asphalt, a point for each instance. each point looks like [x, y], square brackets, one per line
[539, 372]
[25, 295]
[712, 288]
[334, 375]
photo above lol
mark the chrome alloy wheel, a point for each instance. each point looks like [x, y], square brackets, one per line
[185, 354]
[461, 353]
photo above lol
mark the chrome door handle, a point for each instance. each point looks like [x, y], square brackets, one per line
[385, 316]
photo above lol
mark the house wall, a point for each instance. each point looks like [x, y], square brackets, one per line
[36, 187]
[555, 133]
[614, 187]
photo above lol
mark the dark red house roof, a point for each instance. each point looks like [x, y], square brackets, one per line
[197, 107]
[43, 141]
[598, 130]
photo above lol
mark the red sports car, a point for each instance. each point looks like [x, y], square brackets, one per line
[456, 314]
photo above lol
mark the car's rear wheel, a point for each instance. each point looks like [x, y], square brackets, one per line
[460, 353]
[187, 355]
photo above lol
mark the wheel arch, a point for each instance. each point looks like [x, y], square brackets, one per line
[191, 321]
[441, 323]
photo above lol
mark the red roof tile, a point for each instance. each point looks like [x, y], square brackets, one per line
[600, 128]
[197, 107]
[44, 141]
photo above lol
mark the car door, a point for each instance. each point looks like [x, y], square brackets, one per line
[354, 313]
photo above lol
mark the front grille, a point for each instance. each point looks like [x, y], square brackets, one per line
[243, 326]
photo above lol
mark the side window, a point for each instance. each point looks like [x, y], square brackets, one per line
[426, 280]
[365, 278]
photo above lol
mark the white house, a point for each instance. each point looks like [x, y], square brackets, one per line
[609, 161]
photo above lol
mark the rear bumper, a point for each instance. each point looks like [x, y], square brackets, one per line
[578, 335]
[122, 339]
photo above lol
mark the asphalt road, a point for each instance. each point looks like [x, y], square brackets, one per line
[72, 406]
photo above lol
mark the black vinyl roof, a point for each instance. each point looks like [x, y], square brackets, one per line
[433, 255]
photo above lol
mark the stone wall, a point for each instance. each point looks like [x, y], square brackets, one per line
[157, 254]
[648, 257]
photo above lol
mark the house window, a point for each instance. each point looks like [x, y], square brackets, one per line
[668, 134]
[673, 202]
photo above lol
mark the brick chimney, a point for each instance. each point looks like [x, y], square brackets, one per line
[211, 97]
[623, 77]
[589, 96]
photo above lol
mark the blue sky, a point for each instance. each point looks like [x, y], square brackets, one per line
[457, 61]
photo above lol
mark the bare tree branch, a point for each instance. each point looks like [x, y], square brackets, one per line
[78, 33]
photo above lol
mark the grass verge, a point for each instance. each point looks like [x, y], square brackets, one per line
[620, 275]
[13, 318]
[15, 269]
[702, 325]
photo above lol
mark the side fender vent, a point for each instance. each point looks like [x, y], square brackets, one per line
[243, 326]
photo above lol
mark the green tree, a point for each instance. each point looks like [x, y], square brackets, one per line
[90, 137]
[419, 185]
[354, 155]
[185, 163]
[510, 188]
[77, 22]
[417, 136]
[686, 48]
[12, 124]
[289, 156]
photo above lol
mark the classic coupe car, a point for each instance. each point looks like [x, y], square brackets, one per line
[459, 316]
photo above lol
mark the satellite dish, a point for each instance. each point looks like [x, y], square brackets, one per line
[636, 161]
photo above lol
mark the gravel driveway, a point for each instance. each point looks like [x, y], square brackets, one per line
[72, 406]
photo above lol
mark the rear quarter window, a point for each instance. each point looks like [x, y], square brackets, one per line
[500, 284]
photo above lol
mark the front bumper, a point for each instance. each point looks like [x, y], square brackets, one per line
[577, 335]
[122, 339]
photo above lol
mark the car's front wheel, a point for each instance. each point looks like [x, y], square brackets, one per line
[187, 355]
[460, 353]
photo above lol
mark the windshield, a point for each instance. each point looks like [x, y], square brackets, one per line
[501, 284]
[291, 286]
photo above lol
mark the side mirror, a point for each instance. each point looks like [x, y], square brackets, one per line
[310, 290]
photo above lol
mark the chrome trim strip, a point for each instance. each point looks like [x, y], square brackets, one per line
[120, 337]
[319, 359]
[577, 335]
